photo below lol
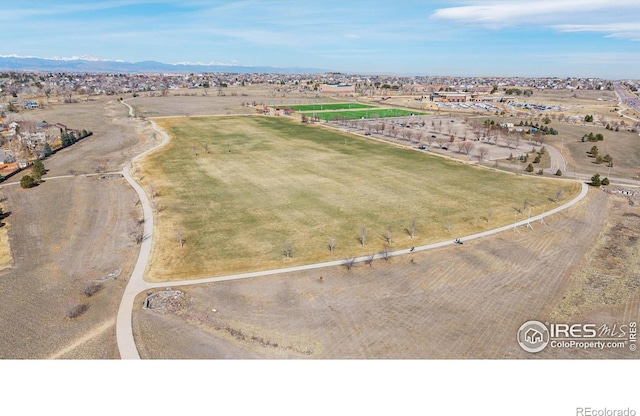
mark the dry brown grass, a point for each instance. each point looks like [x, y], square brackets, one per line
[611, 273]
[241, 188]
[5, 249]
[65, 234]
[456, 302]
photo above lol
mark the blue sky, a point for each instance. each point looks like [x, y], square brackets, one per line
[586, 38]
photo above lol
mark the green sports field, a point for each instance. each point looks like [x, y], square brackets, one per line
[325, 106]
[365, 113]
[242, 189]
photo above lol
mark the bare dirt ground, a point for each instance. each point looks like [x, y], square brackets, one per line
[456, 302]
[67, 234]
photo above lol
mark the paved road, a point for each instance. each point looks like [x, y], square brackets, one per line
[627, 98]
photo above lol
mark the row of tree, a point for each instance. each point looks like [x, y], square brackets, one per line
[595, 153]
[592, 137]
[69, 138]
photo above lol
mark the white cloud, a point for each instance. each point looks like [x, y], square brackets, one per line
[630, 31]
[601, 16]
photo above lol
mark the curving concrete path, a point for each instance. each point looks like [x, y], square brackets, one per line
[124, 329]
[137, 284]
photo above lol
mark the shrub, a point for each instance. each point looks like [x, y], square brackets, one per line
[529, 168]
[558, 172]
[92, 289]
[595, 180]
[605, 181]
[77, 310]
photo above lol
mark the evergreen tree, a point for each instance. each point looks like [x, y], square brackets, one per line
[27, 182]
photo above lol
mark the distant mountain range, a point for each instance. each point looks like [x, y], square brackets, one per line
[95, 65]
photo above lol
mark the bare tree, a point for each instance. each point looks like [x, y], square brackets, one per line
[164, 87]
[180, 236]
[77, 310]
[489, 214]
[466, 147]
[153, 190]
[157, 206]
[389, 235]
[431, 139]
[412, 228]
[448, 226]
[288, 251]
[517, 139]
[477, 130]
[332, 244]
[363, 234]
[385, 253]
[369, 260]
[136, 231]
[509, 140]
[441, 141]
[482, 153]
[558, 196]
[538, 137]
[419, 136]
[92, 288]
[349, 263]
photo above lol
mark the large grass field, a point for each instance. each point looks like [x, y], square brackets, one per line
[243, 188]
[366, 113]
[325, 106]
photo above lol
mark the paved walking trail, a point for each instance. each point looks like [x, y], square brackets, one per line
[137, 284]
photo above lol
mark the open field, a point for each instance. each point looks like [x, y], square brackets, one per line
[357, 114]
[456, 302]
[623, 146]
[241, 189]
[326, 106]
[78, 229]
[182, 102]
[67, 234]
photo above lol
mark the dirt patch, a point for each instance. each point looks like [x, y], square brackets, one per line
[611, 274]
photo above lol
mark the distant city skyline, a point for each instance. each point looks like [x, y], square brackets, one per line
[563, 38]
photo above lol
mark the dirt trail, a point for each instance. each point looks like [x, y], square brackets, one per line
[85, 338]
